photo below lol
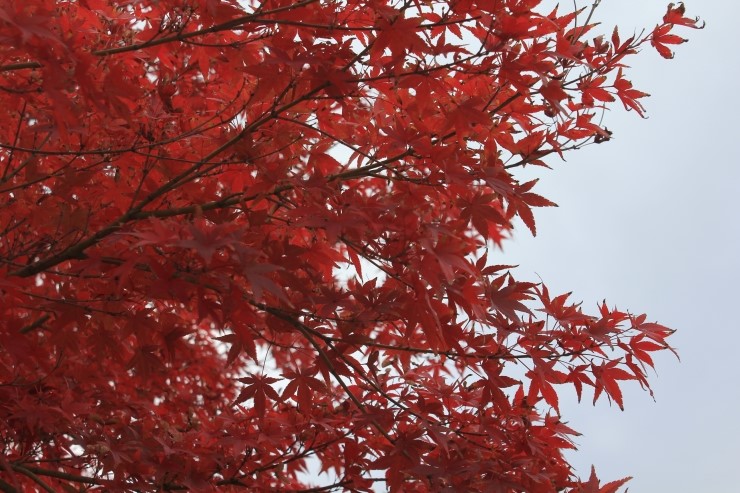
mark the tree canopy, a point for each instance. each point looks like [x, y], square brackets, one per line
[242, 239]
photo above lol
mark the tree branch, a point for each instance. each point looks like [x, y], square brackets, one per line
[168, 39]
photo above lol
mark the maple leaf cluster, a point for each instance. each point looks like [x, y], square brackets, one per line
[181, 182]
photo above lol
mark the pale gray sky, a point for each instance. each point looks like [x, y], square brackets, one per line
[649, 221]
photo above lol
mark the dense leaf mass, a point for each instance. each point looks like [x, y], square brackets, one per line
[241, 238]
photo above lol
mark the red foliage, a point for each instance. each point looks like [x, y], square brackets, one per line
[180, 181]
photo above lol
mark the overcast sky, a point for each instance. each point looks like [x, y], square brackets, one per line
[650, 222]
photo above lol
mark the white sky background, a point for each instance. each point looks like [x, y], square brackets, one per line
[649, 221]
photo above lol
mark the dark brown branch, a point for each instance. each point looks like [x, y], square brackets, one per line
[30, 474]
[60, 475]
[338, 27]
[6, 487]
[234, 23]
[35, 325]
